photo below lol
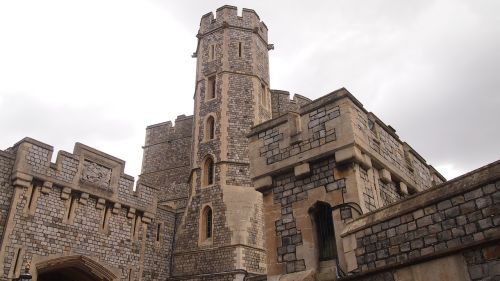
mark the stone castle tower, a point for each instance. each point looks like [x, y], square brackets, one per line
[219, 213]
[221, 230]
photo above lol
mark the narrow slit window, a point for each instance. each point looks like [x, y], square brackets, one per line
[105, 218]
[33, 194]
[210, 128]
[71, 209]
[239, 49]
[208, 171]
[206, 224]
[212, 51]
[209, 223]
[210, 174]
[136, 226]
[17, 261]
[211, 88]
[158, 231]
[263, 96]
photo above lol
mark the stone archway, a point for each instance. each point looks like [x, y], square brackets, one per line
[73, 268]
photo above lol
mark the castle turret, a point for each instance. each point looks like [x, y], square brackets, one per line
[222, 227]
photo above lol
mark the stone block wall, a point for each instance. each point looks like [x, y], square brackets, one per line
[166, 162]
[281, 103]
[388, 169]
[383, 142]
[6, 190]
[460, 217]
[287, 189]
[159, 245]
[81, 205]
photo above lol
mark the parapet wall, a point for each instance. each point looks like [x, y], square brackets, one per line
[337, 124]
[457, 222]
[228, 15]
[86, 171]
[83, 205]
[282, 104]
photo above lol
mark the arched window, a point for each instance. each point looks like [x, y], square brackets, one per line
[208, 171]
[210, 128]
[322, 215]
[206, 222]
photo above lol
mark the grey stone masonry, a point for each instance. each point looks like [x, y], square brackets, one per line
[166, 163]
[83, 205]
[460, 213]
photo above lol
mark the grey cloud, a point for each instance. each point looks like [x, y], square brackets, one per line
[23, 115]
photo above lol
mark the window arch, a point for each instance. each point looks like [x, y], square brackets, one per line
[208, 171]
[210, 128]
[206, 224]
[321, 214]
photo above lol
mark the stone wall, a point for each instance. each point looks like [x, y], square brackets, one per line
[281, 103]
[6, 190]
[82, 205]
[288, 189]
[159, 245]
[167, 159]
[460, 217]
[338, 124]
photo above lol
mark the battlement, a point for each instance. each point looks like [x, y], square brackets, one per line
[166, 131]
[336, 123]
[282, 104]
[227, 16]
[85, 171]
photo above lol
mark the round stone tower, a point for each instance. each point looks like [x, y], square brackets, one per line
[221, 232]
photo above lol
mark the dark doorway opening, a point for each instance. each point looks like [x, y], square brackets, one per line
[323, 220]
[67, 274]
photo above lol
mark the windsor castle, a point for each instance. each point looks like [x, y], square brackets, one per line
[255, 185]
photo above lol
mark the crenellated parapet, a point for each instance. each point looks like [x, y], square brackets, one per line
[227, 16]
[167, 132]
[282, 104]
[337, 125]
[86, 172]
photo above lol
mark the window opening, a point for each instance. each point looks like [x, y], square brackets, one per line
[158, 229]
[263, 97]
[211, 88]
[239, 49]
[210, 129]
[16, 262]
[206, 224]
[208, 171]
[209, 223]
[107, 212]
[212, 51]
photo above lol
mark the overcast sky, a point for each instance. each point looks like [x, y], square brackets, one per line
[100, 71]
